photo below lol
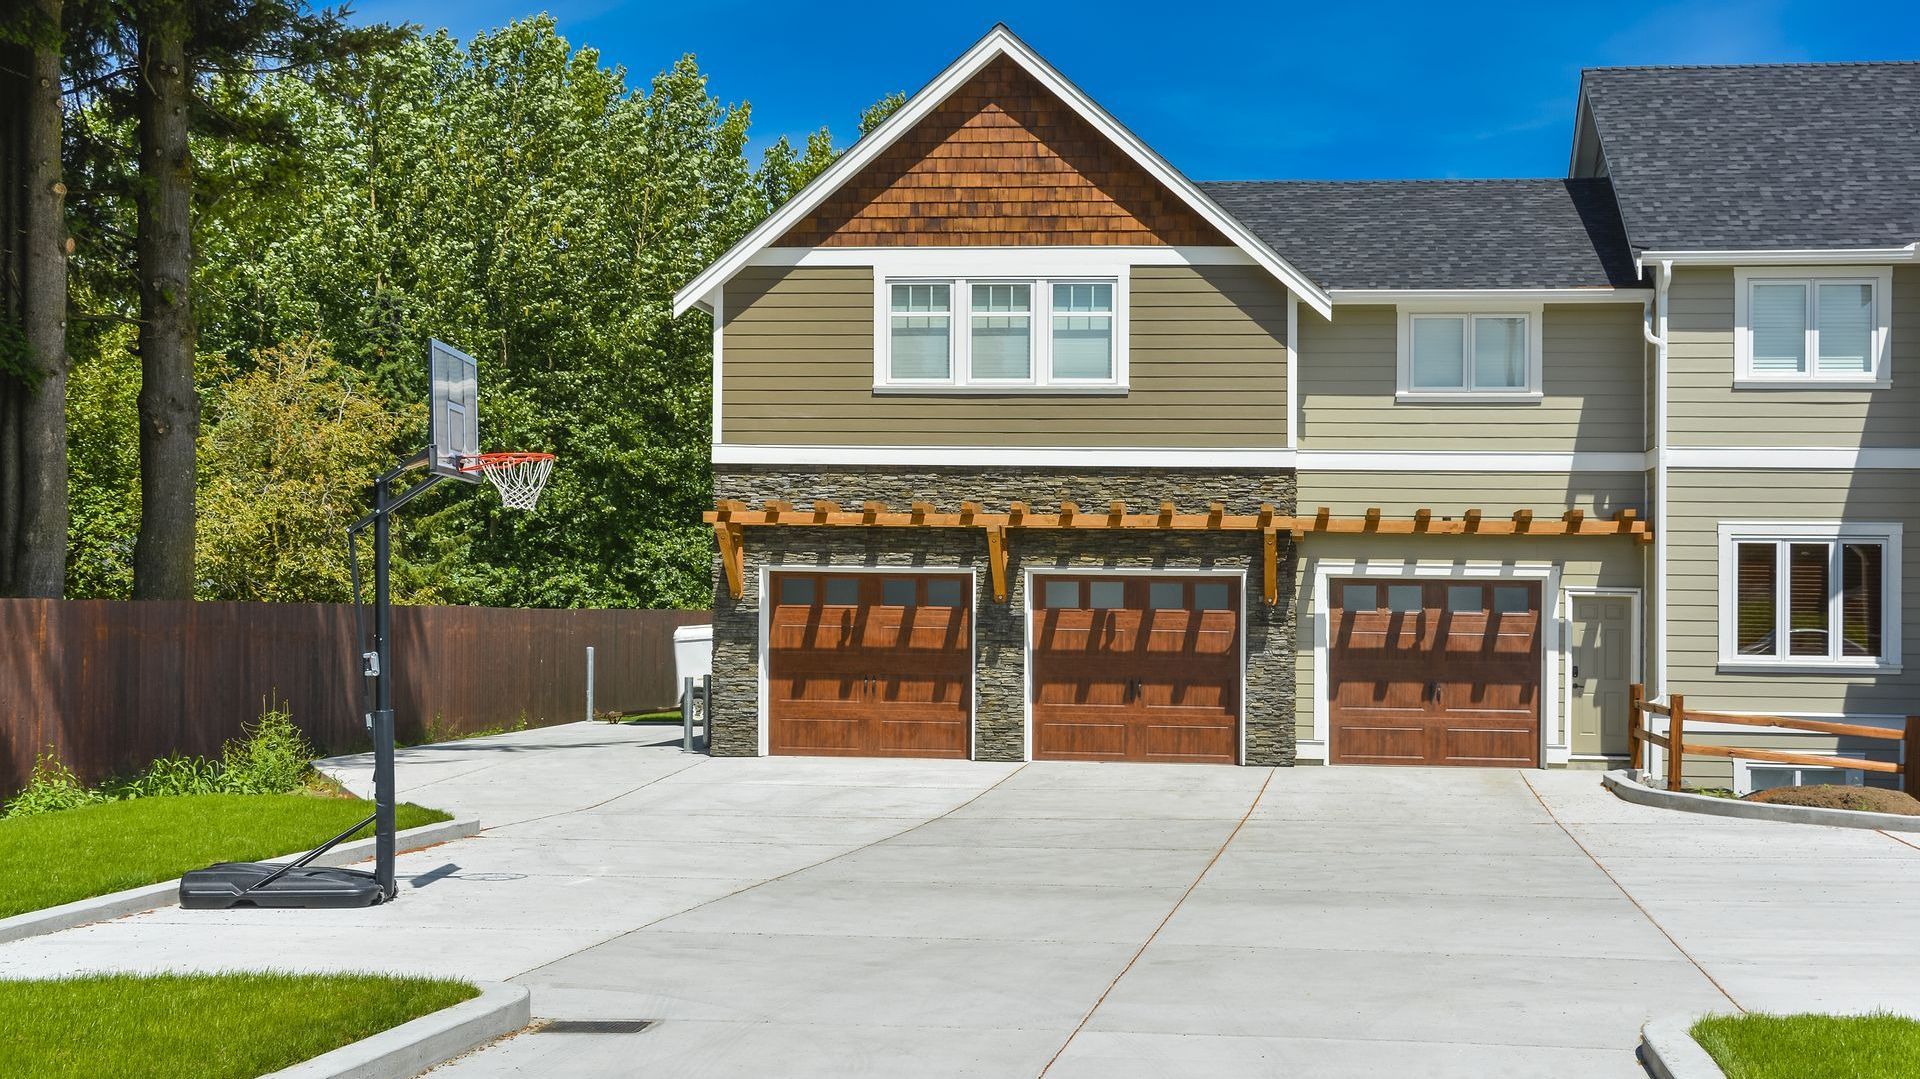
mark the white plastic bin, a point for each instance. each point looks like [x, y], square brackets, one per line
[692, 655]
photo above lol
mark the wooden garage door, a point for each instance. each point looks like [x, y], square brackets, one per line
[869, 664]
[1136, 668]
[1434, 672]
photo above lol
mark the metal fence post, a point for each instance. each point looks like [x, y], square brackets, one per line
[1910, 758]
[589, 683]
[686, 714]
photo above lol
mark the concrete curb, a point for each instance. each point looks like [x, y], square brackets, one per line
[1668, 1048]
[1626, 785]
[166, 893]
[413, 1047]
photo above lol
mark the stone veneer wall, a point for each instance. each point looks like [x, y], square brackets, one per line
[1000, 628]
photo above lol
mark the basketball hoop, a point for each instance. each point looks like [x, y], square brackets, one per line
[519, 477]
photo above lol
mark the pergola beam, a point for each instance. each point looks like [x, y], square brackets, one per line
[731, 517]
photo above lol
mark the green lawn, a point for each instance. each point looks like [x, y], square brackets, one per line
[211, 1026]
[1812, 1046]
[672, 716]
[53, 858]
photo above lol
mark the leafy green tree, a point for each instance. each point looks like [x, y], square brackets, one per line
[284, 465]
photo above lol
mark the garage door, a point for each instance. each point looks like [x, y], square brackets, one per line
[869, 665]
[1136, 668]
[1434, 673]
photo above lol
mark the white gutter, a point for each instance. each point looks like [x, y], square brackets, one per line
[1813, 256]
[1486, 295]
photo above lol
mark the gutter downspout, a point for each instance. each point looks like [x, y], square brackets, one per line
[1657, 317]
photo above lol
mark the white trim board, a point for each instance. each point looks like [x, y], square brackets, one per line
[999, 42]
[1552, 641]
[1144, 457]
[992, 260]
[1470, 461]
[1489, 295]
[1776, 458]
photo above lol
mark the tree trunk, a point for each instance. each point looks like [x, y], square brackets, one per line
[169, 404]
[41, 568]
[33, 428]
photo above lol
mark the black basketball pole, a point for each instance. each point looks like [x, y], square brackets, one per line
[377, 664]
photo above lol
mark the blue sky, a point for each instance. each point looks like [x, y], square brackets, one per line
[1381, 90]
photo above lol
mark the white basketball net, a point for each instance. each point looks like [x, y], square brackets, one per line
[519, 477]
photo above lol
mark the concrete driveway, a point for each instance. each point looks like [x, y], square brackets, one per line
[804, 917]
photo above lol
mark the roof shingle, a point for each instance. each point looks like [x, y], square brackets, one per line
[1438, 234]
[1766, 156]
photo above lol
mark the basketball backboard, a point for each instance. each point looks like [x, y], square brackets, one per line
[453, 433]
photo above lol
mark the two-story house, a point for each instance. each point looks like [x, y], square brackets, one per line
[1027, 447]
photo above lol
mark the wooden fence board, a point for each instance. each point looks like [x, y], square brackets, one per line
[112, 685]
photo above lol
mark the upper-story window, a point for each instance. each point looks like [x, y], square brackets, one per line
[1454, 355]
[1816, 596]
[1001, 334]
[1796, 328]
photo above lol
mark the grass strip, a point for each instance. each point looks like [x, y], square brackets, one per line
[212, 1026]
[1760, 1046]
[53, 858]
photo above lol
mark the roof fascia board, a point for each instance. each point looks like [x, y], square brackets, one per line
[1494, 295]
[1831, 256]
[998, 42]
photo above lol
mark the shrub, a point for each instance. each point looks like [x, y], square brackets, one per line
[170, 775]
[52, 786]
[273, 758]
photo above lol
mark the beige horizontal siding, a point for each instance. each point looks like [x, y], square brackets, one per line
[1591, 562]
[1704, 408]
[1594, 372]
[1449, 494]
[1207, 369]
[1700, 500]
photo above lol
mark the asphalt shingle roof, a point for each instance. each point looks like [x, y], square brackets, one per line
[1769, 156]
[1438, 234]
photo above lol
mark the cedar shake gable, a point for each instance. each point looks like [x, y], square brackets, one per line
[1002, 162]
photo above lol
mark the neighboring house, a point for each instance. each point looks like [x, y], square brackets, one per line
[1027, 447]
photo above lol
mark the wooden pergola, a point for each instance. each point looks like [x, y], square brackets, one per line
[731, 519]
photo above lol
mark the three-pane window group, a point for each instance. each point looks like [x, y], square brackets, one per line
[1033, 332]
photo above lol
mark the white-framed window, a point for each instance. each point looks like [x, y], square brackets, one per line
[1469, 355]
[1751, 775]
[1810, 596]
[1001, 334]
[1795, 327]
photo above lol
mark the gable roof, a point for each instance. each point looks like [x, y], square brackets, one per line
[1440, 234]
[1760, 157]
[999, 42]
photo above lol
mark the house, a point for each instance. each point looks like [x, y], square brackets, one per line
[1025, 446]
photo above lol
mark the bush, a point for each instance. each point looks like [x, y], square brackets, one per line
[273, 758]
[51, 787]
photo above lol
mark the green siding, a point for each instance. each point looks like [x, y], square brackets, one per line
[1207, 369]
[1594, 372]
[1704, 408]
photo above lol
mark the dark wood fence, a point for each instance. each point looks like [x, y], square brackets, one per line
[112, 685]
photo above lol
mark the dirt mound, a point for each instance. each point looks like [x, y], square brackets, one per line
[1829, 796]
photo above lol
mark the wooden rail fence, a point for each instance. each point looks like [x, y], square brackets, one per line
[112, 685]
[1677, 746]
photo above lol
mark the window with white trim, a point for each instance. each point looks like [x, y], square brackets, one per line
[1001, 334]
[1817, 596]
[1469, 355]
[1751, 775]
[1793, 327]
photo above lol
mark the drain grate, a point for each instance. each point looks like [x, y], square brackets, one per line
[595, 1026]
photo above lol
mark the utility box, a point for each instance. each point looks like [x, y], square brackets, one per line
[692, 653]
